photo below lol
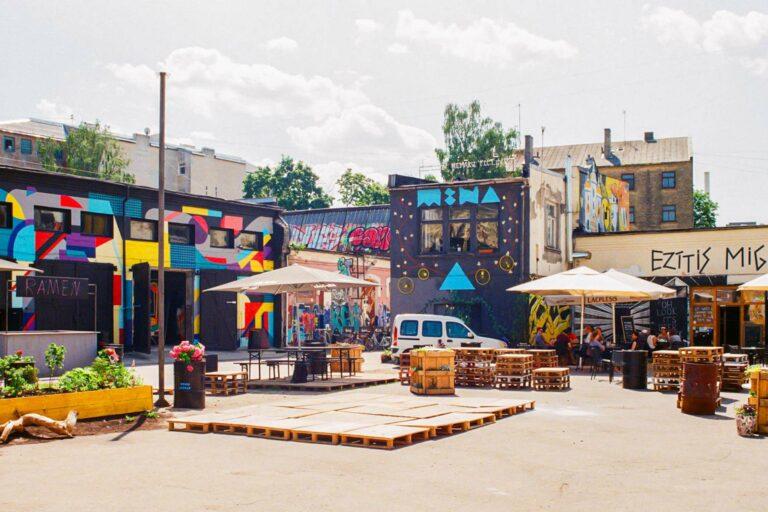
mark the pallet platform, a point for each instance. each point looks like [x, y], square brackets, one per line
[449, 424]
[356, 381]
[199, 423]
[324, 433]
[386, 437]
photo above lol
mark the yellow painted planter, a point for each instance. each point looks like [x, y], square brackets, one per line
[88, 404]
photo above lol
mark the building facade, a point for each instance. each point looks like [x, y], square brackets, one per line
[187, 169]
[107, 232]
[705, 266]
[659, 174]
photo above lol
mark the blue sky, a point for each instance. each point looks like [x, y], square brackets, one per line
[363, 84]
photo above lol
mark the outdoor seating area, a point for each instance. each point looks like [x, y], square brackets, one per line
[365, 420]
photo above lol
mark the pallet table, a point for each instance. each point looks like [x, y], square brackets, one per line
[224, 383]
[666, 369]
[545, 379]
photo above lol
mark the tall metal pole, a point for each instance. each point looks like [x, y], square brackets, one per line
[161, 401]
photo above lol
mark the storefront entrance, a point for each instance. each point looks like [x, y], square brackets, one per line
[721, 315]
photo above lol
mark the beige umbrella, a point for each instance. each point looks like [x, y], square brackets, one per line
[9, 265]
[758, 284]
[583, 283]
[292, 279]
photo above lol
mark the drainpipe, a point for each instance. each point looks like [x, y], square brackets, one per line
[568, 210]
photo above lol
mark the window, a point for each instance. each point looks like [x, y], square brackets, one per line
[182, 234]
[431, 230]
[95, 224]
[487, 228]
[26, 146]
[221, 238]
[668, 179]
[631, 214]
[459, 233]
[51, 219]
[9, 144]
[456, 330]
[552, 233]
[432, 329]
[58, 154]
[182, 168]
[251, 240]
[630, 179]
[143, 230]
[6, 215]
[668, 213]
[409, 328]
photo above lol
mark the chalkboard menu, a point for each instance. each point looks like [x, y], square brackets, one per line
[627, 326]
[702, 315]
[52, 287]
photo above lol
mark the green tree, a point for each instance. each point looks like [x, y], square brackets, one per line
[470, 137]
[356, 189]
[704, 210]
[88, 150]
[293, 184]
[431, 177]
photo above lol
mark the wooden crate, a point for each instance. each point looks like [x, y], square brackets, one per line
[758, 397]
[551, 379]
[432, 371]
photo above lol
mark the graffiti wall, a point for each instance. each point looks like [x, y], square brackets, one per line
[604, 202]
[345, 230]
[553, 320]
[64, 218]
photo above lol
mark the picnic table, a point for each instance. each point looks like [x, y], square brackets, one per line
[315, 360]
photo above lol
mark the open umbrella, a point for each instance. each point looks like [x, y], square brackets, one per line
[292, 279]
[758, 284]
[9, 265]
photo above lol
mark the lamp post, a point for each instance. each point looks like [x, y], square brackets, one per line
[161, 401]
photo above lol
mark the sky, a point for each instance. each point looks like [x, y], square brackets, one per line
[363, 84]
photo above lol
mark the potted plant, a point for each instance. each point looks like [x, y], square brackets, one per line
[746, 420]
[188, 375]
[386, 355]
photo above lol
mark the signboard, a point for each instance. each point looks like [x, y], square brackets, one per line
[702, 315]
[627, 326]
[70, 288]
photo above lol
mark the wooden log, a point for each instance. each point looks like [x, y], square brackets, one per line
[64, 428]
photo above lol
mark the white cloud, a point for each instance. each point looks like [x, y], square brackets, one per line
[207, 81]
[484, 40]
[369, 133]
[398, 48]
[285, 44]
[725, 32]
[367, 26]
[202, 135]
[54, 111]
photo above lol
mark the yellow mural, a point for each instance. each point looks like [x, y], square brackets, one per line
[553, 319]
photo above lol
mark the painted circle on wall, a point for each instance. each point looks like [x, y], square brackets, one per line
[423, 274]
[482, 276]
[507, 263]
[405, 285]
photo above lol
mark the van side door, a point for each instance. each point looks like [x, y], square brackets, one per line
[457, 333]
[432, 332]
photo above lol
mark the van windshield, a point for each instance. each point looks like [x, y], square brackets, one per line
[456, 330]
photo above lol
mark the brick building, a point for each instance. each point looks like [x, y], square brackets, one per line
[659, 173]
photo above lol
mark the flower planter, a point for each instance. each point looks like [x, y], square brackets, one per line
[88, 404]
[746, 425]
[189, 385]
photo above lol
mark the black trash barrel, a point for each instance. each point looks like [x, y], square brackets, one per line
[635, 369]
[211, 363]
[189, 385]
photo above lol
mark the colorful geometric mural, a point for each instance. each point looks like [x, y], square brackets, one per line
[604, 202]
[553, 320]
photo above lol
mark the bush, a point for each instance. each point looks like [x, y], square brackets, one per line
[80, 379]
[105, 372]
[54, 357]
[18, 374]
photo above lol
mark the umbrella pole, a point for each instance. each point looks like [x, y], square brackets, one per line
[581, 333]
[613, 322]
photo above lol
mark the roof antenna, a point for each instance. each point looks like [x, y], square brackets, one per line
[542, 142]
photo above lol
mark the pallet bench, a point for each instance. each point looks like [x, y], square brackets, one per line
[224, 383]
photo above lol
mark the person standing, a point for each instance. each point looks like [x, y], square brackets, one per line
[563, 348]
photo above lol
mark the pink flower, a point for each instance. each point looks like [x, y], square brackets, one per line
[197, 354]
[190, 368]
[19, 352]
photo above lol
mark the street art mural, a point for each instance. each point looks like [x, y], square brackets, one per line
[43, 226]
[345, 230]
[604, 202]
[553, 320]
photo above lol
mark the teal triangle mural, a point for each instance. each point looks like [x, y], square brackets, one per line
[456, 280]
[490, 196]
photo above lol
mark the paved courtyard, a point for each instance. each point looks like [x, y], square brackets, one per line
[596, 447]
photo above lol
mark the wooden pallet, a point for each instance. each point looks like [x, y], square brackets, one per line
[386, 437]
[513, 381]
[323, 433]
[502, 411]
[448, 424]
[545, 379]
[200, 423]
[224, 383]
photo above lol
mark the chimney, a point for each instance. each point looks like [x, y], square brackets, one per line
[649, 137]
[528, 156]
[606, 143]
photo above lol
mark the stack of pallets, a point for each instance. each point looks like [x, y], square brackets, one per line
[404, 371]
[666, 370]
[474, 367]
[506, 351]
[734, 371]
[513, 371]
[543, 358]
[545, 379]
[432, 371]
[706, 355]
[758, 397]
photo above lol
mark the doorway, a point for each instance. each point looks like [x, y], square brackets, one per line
[730, 325]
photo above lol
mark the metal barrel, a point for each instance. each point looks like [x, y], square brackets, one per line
[634, 369]
[700, 390]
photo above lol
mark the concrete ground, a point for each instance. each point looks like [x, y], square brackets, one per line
[595, 447]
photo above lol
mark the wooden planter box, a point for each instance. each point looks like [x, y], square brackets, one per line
[432, 372]
[88, 404]
[758, 382]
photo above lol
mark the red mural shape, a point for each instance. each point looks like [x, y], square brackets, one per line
[377, 238]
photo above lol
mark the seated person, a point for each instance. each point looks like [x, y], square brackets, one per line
[539, 340]
[563, 348]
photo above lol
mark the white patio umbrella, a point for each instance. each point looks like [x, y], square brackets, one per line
[292, 279]
[646, 291]
[582, 284]
[758, 284]
[9, 265]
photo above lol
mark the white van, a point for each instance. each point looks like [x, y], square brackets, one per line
[418, 330]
